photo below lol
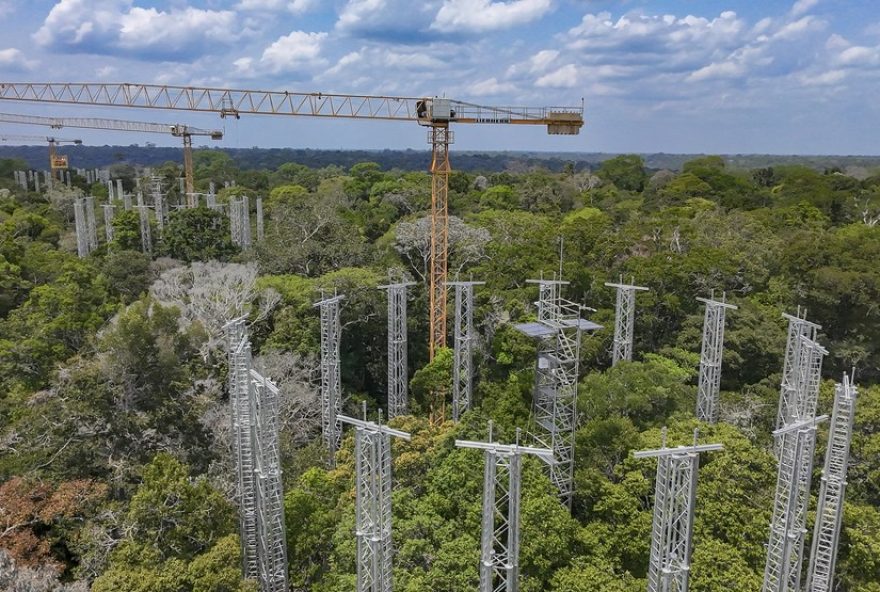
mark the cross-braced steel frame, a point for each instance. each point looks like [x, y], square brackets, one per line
[372, 443]
[79, 219]
[798, 328]
[255, 404]
[673, 524]
[624, 320]
[91, 224]
[829, 511]
[785, 549]
[463, 362]
[558, 330]
[331, 383]
[709, 384]
[398, 383]
[240, 221]
[144, 216]
[499, 557]
[108, 221]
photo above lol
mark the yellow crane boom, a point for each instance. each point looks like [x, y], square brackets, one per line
[438, 113]
[177, 130]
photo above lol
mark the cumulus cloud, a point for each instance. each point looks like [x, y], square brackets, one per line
[491, 87]
[567, 76]
[803, 6]
[12, 59]
[292, 6]
[297, 52]
[398, 21]
[118, 27]
[485, 15]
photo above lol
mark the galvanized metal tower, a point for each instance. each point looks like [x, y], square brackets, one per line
[829, 511]
[331, 384]
[398, 384]
[260, 226]
[462, 367]
[255, 407]
[710, 359]
[558, 330]
[798, 327]
[372, 442]
[108, 220]
[240, 221]
[624, 320]
[674, 502]
[499, 558]
[79, 218]
[144, 215]
[91, 225]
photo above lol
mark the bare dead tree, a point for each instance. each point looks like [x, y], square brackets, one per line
[466, 244]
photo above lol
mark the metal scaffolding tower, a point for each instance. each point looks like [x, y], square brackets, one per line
[108, 221]
[462, 368]
[674, 502]
[144, 214]
[260, 227]
[558, 330]
[240, 221]
[372, 443]
[499, 558]
[829, 511]
[624, 320]
[398, 383]
[91, 225]
[785, 549]
[255, 407]
[710, 359]
[798, 327]
[331, 390]
[79, 218]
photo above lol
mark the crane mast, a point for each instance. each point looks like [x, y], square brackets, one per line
[56, 162]
[434, 112]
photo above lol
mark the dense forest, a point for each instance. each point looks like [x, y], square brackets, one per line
[115, 461]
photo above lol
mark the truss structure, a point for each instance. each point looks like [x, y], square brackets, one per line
[499, 557]
[79, 217]
[255, 407]
[673, 524]
[558, 331]
[829, 511]
[624, 320]
[372, 443]
[158, 202]
[108, 221]
[440, 137]
[240, 221]
[144, 215]
[398, 384]
[260, 228]
[785, 549]
[709, 384]
[798, 328]
[463, 363]
[331, 389]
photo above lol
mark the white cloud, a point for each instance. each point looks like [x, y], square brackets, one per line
[291, 53]
[567, 76]
[292, 6]
[858, 55]
[491, 86]
[484, 15]
[15, 60]
[117, 27]
[829, 78]
[106, 71]
[803, 6]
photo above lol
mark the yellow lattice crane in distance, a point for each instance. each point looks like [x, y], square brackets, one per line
[437, 113]
[177, 130]
[57, 162]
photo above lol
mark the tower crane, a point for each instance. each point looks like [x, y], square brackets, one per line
[57, 162]
[178, 130]
[436, 113]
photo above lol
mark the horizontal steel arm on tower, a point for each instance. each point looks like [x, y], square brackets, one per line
[238, 102]
[544, 454]
[373, 427]
[711, 302]
[657, 452]
[799, 425]
[19, 138]
[110, 124]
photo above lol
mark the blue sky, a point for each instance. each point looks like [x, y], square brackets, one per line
[795, 76]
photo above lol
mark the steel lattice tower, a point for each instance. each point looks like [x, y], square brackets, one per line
[260, 227]
[673, 524]
[829, 511]
[398, 383]
[463, 363]
[375, 551]
[108, 221]
[79, 218]
[624, 320]
[91, 225]
[559, 330]
[798, 327]
[785, 549]
[499, 557]
[255, 407]
[331, 383]
[144, 214]
[710, 359]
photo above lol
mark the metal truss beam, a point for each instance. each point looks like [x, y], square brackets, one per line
[463, 363]
[798, 328]
[709, 384]
[624, 320]
[398, 381]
